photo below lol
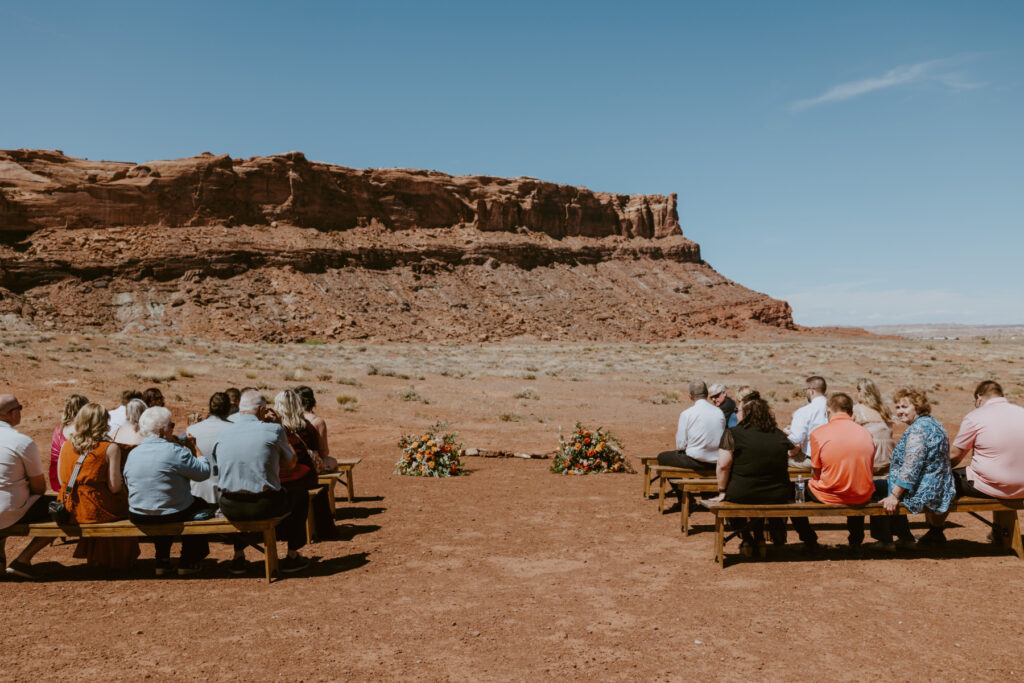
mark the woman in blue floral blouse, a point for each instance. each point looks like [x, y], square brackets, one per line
[920, 476]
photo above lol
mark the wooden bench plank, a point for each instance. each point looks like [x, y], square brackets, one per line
[1005, 521]
[345, 468]
[125, 529]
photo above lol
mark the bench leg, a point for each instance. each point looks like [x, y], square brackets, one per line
[351, 485]
[310, 520]
[332, 500]
[661, 494]
[720, 541]
[684, 505]
[1006, 524]
[270, 552]
[647, 480]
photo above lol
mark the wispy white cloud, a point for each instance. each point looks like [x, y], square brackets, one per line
[942, 71]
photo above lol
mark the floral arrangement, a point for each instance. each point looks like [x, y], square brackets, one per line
[433, 454]
[588, 452]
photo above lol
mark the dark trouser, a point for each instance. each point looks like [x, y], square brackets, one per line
[964, 486]
[854, 525]
[681, 459]
[884, 526]
[751, 529]
[193, 548]
[39, 511]
[246, 507]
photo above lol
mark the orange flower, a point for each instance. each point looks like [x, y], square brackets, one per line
[586, 440]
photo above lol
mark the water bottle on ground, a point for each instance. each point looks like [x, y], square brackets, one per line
[800, 488]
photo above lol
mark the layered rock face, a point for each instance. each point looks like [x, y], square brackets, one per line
[280, 248]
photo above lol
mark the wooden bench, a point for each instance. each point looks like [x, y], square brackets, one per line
[669, 476]
[125, 528]
[647, 462]
[329, 479]
[1005, 524]
[311, 515]
[688, 487]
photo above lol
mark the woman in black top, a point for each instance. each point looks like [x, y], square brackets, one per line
[753, 468]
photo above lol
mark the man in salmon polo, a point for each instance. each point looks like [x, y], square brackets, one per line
[842, 461]
[994, 430]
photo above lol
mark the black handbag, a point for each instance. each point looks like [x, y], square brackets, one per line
[59, 513]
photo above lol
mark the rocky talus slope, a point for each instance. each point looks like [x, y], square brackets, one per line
[283, 249]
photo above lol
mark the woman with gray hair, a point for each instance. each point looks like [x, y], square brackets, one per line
[159, 476]
[127, 436]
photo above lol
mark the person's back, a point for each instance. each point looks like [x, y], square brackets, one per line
[205, 433]
[995, 432]
[844, 452]
[248, 455]
[19, 461]
[760, 467]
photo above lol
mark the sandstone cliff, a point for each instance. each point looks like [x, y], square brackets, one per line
[281, 248]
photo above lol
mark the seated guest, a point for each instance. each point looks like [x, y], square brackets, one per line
[233, 417]
[842, 457]
[872, 414]
[753, 468]
[305, 443]
[62, 433]
[919, 476]
[698, 434]
[205, 433]
[117, 415]
[233, 395]
[994, 430]
[97, 493]
[805, 420]
[308, 401]
[158, 475]
[22, 484]
[128, 435]
[250, 456]
[718, 397]
[153, 397]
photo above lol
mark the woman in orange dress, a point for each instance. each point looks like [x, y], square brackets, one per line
[99, 494]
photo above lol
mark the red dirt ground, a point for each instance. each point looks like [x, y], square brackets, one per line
[513, 572]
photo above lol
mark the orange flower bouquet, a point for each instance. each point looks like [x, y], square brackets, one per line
[589, 452]
[435, 453]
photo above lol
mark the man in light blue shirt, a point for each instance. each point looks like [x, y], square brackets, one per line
[158, 475]
[249, 457]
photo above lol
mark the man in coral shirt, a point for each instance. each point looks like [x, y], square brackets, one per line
[994, 430]
[842, 461]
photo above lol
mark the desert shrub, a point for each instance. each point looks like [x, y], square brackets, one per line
[433, 454]
[509, 417]
[527, 393]
[349, 381]
[349, 403]
[665, 398]
[326, 377]
[411, 394]
[589, 452]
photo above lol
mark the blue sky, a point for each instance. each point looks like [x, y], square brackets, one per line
[863, 160]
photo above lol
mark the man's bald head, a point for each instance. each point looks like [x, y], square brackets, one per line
[10, 409]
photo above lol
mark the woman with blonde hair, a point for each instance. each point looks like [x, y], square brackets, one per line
[305, 441]
[128, 436]
[98, 493]
[308, 400]
[62, 433]
[871, 413]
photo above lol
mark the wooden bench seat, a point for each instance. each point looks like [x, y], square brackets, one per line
[329, 479]
[667, 475]
[1005, 523]
[125, 528]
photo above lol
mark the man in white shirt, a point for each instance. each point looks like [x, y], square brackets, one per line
[805, 420]
[22, 483]
[698, 435]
